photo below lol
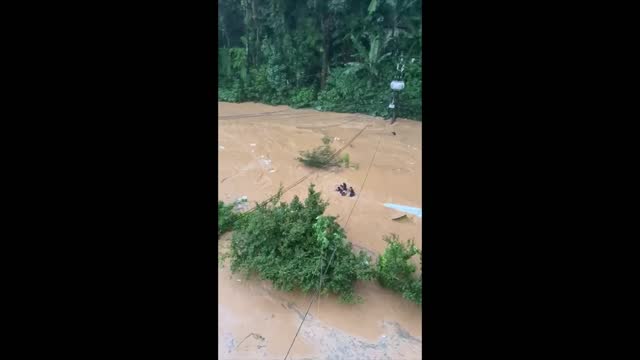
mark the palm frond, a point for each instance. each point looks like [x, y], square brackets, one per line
[407, 5]
[373, 5]
[354, 67]
[381, 59]
[374, 50]
[359, 48]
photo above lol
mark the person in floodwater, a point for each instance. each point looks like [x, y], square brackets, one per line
[351, 192]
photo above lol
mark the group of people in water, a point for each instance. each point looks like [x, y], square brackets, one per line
[342, 189]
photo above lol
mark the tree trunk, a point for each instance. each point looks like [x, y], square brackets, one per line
[325, 68]
[255, 25]
[250, 45]
[225, 31]
[326, 43]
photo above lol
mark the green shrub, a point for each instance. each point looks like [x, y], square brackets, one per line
[304, 97]
[226, 217]
[395, 270]
[346, 91]
[413, 291]
[351, 92]
[291, 245]
[323, 157]
[345, 160]
[233, 94]
[320, 157]
[258, 88]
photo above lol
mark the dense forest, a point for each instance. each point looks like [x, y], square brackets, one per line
[332, 55]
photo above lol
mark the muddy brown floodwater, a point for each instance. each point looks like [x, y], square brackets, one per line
[258, 145]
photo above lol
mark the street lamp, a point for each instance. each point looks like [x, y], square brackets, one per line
[396, 86]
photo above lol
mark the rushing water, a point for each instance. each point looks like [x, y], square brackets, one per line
[258, 145]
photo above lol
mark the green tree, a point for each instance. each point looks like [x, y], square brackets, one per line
[298, 52]
[293, 245]
[395, 269]
[370, 59]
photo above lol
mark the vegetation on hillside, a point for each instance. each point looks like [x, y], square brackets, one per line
[333, 55]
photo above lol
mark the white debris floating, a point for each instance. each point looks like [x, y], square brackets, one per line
[407, 209]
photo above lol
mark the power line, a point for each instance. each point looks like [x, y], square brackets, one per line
[363, 182]
[334, 250]
[311, 303]
[299, 181]
[252, 114]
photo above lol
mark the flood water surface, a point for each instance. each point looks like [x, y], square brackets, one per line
[258, 145]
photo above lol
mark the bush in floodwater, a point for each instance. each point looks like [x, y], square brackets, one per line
[320, 157]
[292, 244]
[323, 156]
[395, 270]
[226, 217]
[345, 160]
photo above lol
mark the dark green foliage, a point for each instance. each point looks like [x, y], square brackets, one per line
[320, 157]
[323, 157]
[413, 291]
[348, 91]
[226, 217]
[411, 96]
[232, 66]
[395, 270]
[291, 245]
[305, 97]
[334, 55]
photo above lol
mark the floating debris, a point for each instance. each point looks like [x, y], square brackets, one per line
[241, 204]
[403, 219]
[255, 336]
[411, 210]
[266, 163]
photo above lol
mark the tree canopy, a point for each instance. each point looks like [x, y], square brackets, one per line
[333, 55]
